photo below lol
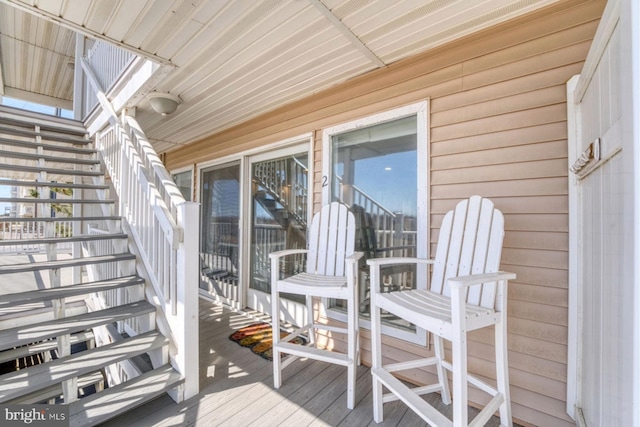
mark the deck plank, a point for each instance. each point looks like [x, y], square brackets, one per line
[237, 389]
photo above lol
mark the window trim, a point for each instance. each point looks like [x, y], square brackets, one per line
[185, 169]
[421, 110]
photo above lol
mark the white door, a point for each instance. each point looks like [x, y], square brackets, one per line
[602, 331]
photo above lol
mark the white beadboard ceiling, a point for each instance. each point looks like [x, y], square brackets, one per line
[232, 59]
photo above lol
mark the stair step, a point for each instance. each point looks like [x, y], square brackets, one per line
[19, 383]
[55, 391]
[48, 294]
[29, 119]
[55, 159]
[59, 201]
[52, 240]
[48, 147]
[19, 183]
[54, 171]
[24, 335]
[46, 135]
[100, 407]
[62, 219]
[74, 262]
[29, 315]
[30, 350]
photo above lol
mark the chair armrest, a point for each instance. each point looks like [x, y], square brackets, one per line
[374, 262]
[285, 252]
[477, 279]
[354, 257]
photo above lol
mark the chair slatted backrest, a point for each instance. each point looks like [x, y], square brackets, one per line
[470, 242]
[331, 240]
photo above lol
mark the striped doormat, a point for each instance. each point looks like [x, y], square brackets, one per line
[259, 338]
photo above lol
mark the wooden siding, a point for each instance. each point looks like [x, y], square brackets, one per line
[498, 128]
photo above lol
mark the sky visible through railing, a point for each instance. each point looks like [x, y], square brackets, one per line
[35, 107]
[5, 191]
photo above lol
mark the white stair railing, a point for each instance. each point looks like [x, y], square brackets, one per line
[164, 228]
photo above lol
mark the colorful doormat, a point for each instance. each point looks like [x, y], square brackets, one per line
[258, 337]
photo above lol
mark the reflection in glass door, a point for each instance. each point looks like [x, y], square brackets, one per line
[278, 218]
[374, 171]
[220, 228]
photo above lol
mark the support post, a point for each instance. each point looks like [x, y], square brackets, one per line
[186, 334]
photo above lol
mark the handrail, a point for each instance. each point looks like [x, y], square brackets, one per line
[369, 200]
[169, 191]
[163, 226]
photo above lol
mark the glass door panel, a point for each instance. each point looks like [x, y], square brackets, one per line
[220, 229]
[374, 171]
[279, 215]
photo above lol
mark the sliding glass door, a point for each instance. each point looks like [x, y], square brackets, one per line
[278, 220]
[220, 232]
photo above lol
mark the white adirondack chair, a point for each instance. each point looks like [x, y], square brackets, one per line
[332, 270]
[467, 292]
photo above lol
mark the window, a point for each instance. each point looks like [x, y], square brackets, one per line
[183, 182]
[378, 167]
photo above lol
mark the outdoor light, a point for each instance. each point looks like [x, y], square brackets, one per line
[163, 103]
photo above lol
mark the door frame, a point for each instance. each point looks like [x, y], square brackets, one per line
[258, 300]
[245, 197]
[205, 167]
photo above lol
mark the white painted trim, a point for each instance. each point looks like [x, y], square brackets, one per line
[574, 312]
[421, 110]
[608, 23]
[78, 79]
[50, 101]
[630, 81]
[345, 31]
[224, 163]
[181, 170]
[268, 147]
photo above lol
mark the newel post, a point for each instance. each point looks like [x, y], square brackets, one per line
[187, 294]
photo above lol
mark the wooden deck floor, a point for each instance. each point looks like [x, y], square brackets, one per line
[237, 389]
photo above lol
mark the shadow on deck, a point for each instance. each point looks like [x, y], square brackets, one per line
[236, 389]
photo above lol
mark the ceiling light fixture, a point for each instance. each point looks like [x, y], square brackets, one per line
[163, 103]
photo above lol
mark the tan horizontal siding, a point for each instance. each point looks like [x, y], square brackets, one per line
[492, 189]
[547, 295]
[497, 128]
[542, 276]
[509, 138]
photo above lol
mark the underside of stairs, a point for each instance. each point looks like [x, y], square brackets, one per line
[72, 303]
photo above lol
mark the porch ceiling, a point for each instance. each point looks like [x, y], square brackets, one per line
[233, 60]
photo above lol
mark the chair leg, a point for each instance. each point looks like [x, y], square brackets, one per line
[310, 320]
[442, 371]
[459, 356]
[275, 329]
[352, 351]
[502, 372]
[376, 360]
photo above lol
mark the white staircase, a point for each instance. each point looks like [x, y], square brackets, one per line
[92, 319]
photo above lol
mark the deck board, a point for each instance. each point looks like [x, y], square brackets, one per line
[236, 389]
